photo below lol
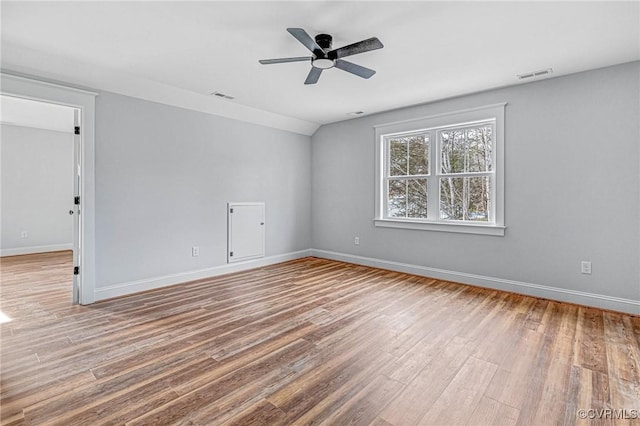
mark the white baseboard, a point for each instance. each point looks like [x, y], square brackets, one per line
[536, 290]
[563, 295]
[122, 289]
[35, 249]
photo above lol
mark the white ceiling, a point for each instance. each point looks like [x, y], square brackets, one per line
[179, 52]
[41, 115]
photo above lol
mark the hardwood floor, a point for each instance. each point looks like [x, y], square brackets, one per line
[307, 341]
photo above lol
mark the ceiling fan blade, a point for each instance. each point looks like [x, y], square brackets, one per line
[313, 76]
[304, 38]
[284, 60]
[360, 47]
[358, 70]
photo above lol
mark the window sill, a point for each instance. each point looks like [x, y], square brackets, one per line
[465, 228]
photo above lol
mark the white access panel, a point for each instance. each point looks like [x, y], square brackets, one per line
[246, 231]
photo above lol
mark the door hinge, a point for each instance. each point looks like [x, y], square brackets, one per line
[231, 210]
[76, 200]
[231, 254]
[76, 130]
[76, 270]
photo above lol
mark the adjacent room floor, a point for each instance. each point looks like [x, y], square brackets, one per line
[306, 341]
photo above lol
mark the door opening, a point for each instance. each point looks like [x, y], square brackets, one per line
[41, 180]
[84, 101]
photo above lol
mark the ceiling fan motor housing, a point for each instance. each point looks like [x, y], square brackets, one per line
[324, 41]
[322, 60]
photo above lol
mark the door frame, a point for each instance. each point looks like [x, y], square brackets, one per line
[84, 101]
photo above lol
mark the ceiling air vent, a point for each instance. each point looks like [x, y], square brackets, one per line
[222, 95]
[533, 74]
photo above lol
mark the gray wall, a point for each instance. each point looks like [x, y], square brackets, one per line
[164, 176]
[572, 187]
[37, 189]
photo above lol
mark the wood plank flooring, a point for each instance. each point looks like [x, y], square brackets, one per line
[306, 342]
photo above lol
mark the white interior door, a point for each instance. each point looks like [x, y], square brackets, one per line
[76, 211]
[246, 231]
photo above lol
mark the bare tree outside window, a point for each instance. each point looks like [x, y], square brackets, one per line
[461, 180]
[466, 152]
[408, 169]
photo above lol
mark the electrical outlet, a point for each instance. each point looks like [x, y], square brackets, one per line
[195, 251]
[356, 241]
[585, 267]
[24, 234]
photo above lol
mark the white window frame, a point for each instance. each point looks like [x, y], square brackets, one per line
[433, 124]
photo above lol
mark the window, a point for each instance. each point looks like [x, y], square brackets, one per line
[443, 172]
[407, 174]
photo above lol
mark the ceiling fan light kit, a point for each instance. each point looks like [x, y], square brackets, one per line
[325, 58]
[323, 63]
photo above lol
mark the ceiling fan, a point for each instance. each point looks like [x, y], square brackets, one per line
[324, 58]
